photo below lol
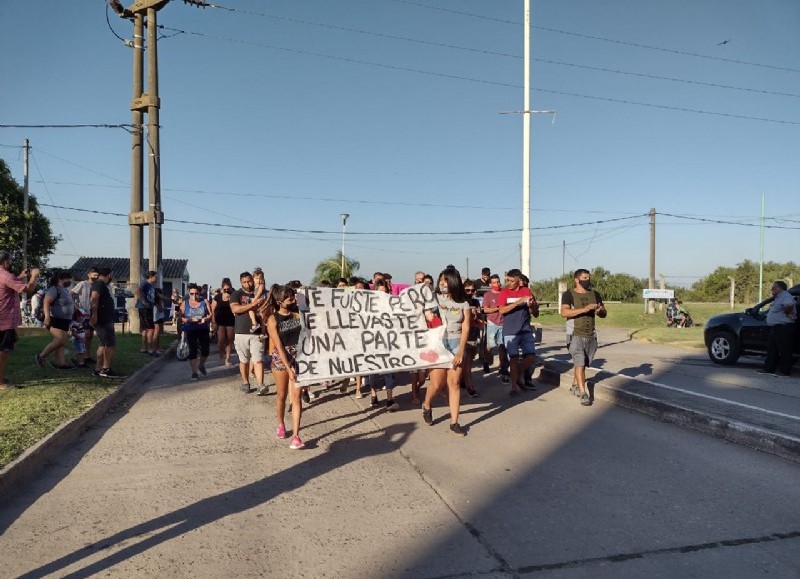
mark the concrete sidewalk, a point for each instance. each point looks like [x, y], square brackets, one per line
[684, 387]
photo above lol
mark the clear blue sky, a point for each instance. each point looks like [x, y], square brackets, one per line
[285, 114]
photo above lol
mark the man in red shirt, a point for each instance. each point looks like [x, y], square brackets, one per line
[494, 328]
[10, 316]
[516, 302]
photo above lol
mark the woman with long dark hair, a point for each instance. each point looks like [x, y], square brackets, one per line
[223, 321]
[454, 309]
[283, 326]
[58, 307]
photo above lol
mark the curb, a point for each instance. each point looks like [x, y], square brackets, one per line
[34, 459]
[621, 391]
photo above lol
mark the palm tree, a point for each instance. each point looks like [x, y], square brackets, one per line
[331, 269]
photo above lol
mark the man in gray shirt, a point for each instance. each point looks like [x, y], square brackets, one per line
[781, 319]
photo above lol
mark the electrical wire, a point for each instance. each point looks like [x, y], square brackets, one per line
[79, 166]
[600, 38]
[111, 28]
[501, 54]
[307, 198]
[721, 222]
[378, 233]
[478, 80]
[86, 126]
[58, 216]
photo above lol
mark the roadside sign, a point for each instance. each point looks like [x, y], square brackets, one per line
[658, 294]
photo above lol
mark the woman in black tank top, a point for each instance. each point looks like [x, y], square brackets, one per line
[222, 321]
[283, 326]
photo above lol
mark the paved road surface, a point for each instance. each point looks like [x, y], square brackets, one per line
[188, 481]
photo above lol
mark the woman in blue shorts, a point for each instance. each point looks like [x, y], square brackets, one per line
[454, 309]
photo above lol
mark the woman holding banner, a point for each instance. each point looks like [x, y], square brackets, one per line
[455, 312]
[283, 326]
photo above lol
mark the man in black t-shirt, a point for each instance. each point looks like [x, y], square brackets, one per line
[581, 304]
[249, 346]
[102, 320]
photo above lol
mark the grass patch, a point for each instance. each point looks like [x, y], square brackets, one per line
[48, 397]
[649, 328]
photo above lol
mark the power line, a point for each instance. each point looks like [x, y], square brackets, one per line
[307, 198]
[498, 53]
[79, 166]
[84, 126]
[671, 79]
[475, 80]
[721, 222]
[58, 216]
[378, 233]
[601, 38]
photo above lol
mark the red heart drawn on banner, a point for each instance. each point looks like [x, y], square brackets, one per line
[429, 356]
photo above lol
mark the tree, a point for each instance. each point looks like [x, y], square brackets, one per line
[41, 241]
[331, 269]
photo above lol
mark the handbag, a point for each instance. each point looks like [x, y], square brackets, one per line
[182, 352]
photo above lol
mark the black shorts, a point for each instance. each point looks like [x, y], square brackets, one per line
[60, 324]
[146, 319]
[7, 340]
[106, 335]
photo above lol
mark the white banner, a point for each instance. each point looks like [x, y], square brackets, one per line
[348, 332]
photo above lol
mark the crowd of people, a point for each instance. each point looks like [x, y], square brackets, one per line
[486, 318]
[262, 326]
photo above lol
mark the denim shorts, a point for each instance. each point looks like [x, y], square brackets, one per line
[494, 336]
[517, 342]
[452, 344]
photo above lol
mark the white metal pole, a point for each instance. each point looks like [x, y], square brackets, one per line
[761, 264]
[25, 206]
[344, 217]
[526, 147]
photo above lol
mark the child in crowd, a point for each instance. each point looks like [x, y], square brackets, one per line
[472, 340]
[373, 381]
[261, 286]
[77, 331]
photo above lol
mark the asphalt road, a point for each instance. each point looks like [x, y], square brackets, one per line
[187, 480]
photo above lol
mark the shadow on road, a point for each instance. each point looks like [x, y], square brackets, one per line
[203, 512]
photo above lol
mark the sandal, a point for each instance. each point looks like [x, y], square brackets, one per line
[427, 416]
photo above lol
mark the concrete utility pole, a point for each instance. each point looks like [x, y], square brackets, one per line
[651, 281]
[145, 101]
[25, 202]
[733, 290]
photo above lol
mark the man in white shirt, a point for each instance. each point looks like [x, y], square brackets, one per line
[781, 319]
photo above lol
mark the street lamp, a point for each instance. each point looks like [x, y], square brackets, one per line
[344, 217]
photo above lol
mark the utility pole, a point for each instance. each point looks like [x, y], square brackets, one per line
[145, 101]
[25, 202]
[651, 282]
[344, 217]
[136, 219]
[761, 252]
[525, 254]
[155, 215]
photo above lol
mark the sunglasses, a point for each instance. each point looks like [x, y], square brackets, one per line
[469, 291]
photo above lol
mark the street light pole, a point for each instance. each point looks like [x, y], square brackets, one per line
[344, 217]
[525, 254]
